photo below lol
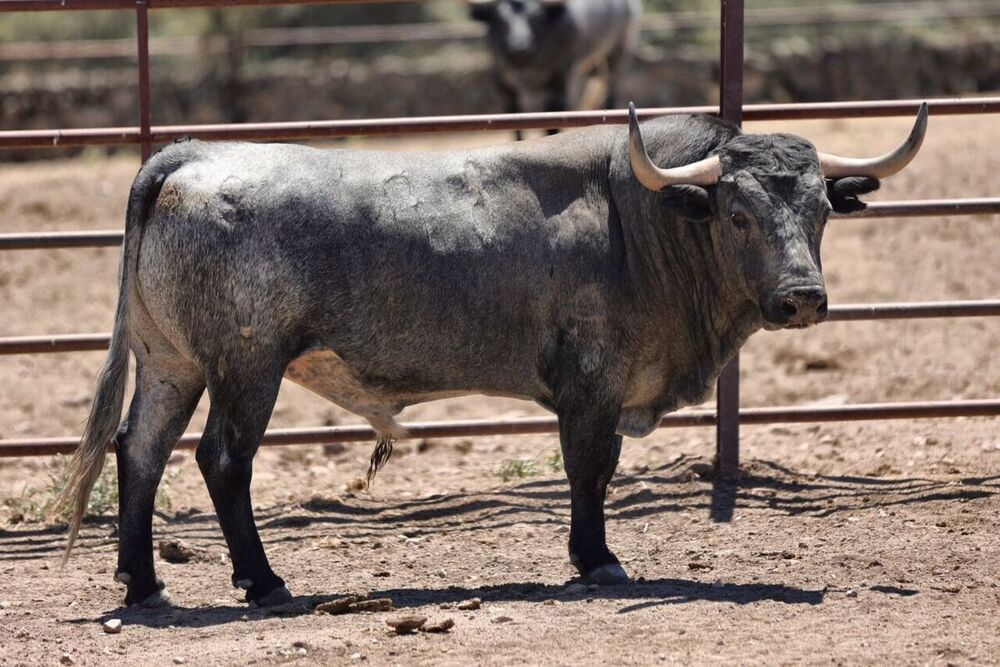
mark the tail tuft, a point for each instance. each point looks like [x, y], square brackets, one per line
[380, 456]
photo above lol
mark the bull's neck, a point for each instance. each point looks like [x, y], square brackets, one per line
[683, 287]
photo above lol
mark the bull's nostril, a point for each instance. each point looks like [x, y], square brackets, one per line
[788, 308]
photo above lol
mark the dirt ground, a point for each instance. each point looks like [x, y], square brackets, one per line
[842, 543]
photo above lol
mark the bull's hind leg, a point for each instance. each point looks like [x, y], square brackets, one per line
[241, 408]
[164, 399]
[590, 450]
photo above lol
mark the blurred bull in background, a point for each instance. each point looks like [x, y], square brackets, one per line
[545, 51]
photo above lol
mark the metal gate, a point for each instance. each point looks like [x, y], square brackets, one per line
[727, 417]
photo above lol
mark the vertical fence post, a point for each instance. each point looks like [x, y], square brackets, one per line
[142, 41]
[727, 430]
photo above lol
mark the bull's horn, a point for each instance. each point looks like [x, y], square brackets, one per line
[702, 172]
[481, 3]
[835, 166]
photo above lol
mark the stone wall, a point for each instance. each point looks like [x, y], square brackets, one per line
[458, 81]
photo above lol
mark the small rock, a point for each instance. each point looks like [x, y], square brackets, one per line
[175, 551]
[699, 565]
[718, 583]
[66, 659]
[381, 573]
[112, 626]
[468, 605]
[562, 529]
[371, 606]
[852, 593]
[550, 602]
[445, 605]
[407, 624]
[179, 660]
[443, 625]
[502, 619]
[338, 606]
[575, 589]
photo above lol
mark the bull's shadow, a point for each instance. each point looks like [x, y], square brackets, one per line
[631, 597]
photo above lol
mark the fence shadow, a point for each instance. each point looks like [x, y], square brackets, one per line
[683, 485]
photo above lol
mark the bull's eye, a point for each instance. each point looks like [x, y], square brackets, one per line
[739, 219]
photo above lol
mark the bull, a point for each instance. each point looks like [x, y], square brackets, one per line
[544, 51]
[576, 271]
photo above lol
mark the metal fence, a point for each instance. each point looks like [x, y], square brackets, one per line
[894, 13]
[727, 416]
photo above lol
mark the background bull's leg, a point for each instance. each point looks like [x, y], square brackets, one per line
[160, 411]
[560, 96]
[615, 70]
[510, 104]
[590, 453]
[236, 422]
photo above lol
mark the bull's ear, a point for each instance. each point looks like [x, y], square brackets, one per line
[843, 193]
[554, 10]
[687, 201]
[480, 11]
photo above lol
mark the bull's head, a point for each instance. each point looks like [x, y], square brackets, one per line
[515, 25]
[768, 197]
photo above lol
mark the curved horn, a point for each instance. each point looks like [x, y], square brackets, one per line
[702, 172]
[835, 166]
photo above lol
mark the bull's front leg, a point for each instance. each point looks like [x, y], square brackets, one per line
[590, 450]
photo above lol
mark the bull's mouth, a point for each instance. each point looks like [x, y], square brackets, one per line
[772, 323]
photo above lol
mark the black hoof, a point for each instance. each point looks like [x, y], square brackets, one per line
[151, 595]
[278, 596]
[607, 575]
[157, 600]
[267, 593]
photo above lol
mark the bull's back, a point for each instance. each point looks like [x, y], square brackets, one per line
[423, 271]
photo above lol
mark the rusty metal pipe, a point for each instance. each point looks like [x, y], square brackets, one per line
[847, 312]
[544, 425]
[887, 209]
[330, 129]
[71, 5]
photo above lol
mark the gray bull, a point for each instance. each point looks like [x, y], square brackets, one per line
[544, 51]
[570, 270]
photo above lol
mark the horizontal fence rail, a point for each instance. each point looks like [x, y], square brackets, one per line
[330, 129]
[888, 13]
[855, 311]
[87, 5]
[545, 425]
[886, 209]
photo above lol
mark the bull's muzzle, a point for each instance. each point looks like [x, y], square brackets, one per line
[797, 307]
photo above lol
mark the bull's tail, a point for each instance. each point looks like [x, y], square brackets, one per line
[106, 411]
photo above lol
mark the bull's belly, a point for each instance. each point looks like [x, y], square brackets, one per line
[325, 373]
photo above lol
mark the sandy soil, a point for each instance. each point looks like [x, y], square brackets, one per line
[842, 543]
